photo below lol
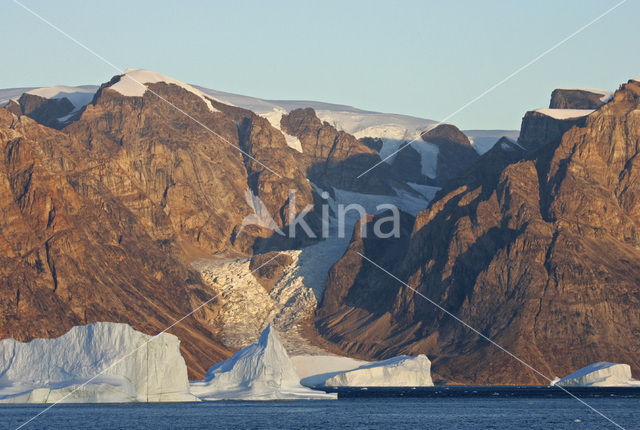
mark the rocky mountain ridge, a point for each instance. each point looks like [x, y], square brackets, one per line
[535, 245]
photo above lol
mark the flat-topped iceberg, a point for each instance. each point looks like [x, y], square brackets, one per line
[96, 363]
[262, 371]
[331, 371]
[600, 374]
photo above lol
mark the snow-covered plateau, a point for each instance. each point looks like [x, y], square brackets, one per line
[332, 371]
[565, 113]
[262, 371]
[600, 374]
[96, 363]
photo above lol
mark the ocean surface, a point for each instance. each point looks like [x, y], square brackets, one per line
[434, 408]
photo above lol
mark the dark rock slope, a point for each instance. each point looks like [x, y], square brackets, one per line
[540, 251]
[455, 152]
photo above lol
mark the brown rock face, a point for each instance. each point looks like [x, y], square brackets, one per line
[538, 129]
[540, 252]
[575, 99]
[73, 254]
[455, 152]
[100, 220]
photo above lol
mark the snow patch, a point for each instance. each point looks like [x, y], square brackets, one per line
[132, 367]
[565, 113]
[133, 84]
[262, 371]
[600, 374]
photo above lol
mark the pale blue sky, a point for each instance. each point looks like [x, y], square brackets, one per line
[423, 58]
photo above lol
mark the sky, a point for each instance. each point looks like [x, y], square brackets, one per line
[421, 58]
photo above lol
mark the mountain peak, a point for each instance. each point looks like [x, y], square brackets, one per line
[133, 83]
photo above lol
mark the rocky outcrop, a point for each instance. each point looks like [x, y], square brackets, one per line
[43, 110]
[539, 129]
[563, 98]
[539, 251]
[455, 152]
[269, 268]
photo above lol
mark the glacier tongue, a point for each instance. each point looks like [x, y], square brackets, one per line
[262, 371]
[130, 367]
[600, 374]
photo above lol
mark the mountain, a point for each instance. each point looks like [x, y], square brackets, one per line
[112, 194]
[535, 245]
[147, 199]
[391, 129]
[102, 218]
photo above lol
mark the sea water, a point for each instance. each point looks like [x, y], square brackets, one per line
[493, 408]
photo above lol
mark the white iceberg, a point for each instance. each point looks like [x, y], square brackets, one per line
[330, 371]
[96, 363]
[600, 374]
[315, 369]
[262, 371]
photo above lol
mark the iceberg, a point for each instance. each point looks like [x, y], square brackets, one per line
[262, 371]
[330, 371]
[600, 374]
[96, 363]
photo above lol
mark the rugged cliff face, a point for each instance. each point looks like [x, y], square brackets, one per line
[101, 219]
[73, 253]
[539, 251]
[539, 129]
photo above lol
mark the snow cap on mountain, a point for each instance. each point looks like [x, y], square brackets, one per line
[133, 84]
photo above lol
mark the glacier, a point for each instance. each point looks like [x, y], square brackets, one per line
[600, 374]
[331, 371]
[262, 371]
[101, 362]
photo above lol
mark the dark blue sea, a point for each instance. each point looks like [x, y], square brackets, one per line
[387, 409]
